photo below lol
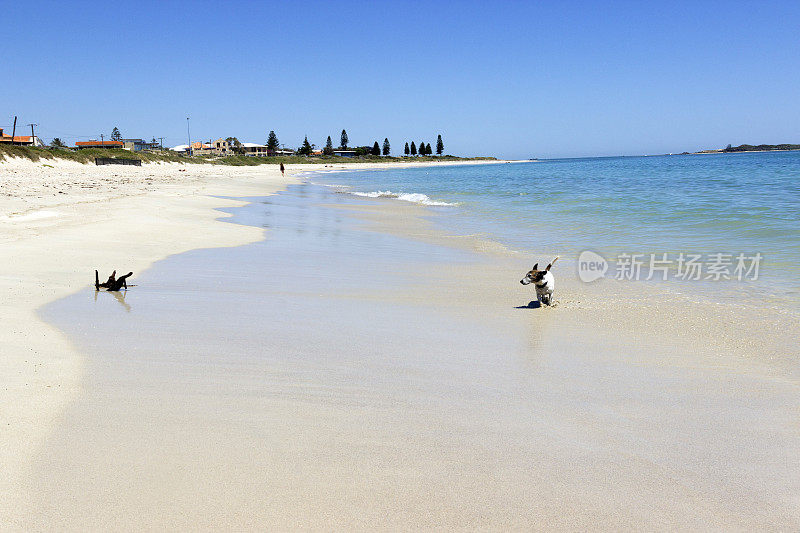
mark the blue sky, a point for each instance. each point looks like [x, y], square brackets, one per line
[513, 79]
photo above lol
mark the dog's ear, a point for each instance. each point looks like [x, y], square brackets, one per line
[535, 267]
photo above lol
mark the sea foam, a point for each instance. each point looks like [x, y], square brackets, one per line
[413, 197]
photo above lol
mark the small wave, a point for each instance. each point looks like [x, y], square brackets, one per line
[330, 185]
[413, 197]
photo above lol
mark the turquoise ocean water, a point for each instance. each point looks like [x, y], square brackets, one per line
[697, 205]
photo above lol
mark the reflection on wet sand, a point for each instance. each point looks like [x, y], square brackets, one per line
[118, 296]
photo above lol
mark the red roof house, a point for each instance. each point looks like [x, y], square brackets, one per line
[98, 144]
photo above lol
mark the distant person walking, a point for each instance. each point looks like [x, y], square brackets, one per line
[283, 169]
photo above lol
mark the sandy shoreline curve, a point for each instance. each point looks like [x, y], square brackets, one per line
[60, 220]
[653, 375]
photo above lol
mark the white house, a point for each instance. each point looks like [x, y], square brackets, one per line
[254, 150]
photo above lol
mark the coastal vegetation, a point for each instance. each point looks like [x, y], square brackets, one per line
[88, 155]
[761, 147]
[236, 145]
[752, 148]
[306, 149]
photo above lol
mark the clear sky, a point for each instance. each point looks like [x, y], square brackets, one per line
[512, 79]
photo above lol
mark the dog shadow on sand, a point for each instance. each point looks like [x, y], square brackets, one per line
[535, 304]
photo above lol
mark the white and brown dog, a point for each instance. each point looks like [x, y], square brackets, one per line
[544, 281]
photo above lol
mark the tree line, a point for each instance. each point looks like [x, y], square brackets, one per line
[307, 148]
[760, 147]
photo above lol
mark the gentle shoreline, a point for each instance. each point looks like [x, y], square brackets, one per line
[697, 323]
[474, 291]
[59, 221]
[384, 372]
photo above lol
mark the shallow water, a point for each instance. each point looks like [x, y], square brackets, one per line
[745, 203]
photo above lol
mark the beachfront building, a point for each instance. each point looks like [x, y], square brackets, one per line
[283, 152]
[137, 145]
[201, 148]
[222, 147]
[345, 153]
[23, 140]
[254, 150]
[81, 145]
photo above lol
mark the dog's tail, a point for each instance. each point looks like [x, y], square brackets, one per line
[551, 263]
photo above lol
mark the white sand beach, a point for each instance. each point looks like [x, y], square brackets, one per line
[61, 220]
[58, 224]
[431, 398]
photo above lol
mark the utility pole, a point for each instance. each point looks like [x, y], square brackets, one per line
[161, 143]
[189, 135]
[14, 131]
[33, 137]
[102, 142]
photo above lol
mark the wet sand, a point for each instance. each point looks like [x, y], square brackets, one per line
[359, 369]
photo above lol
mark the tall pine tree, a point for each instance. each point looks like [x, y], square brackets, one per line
[376, 150]
[306, 148]
[421, 148]
[387, 149]
[407, 150]
[344, 140]
[328, 150]
[439, 145]
[272, 143]
[115, 134]
[413, 148]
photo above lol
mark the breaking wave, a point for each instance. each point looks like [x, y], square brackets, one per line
[413, 197]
